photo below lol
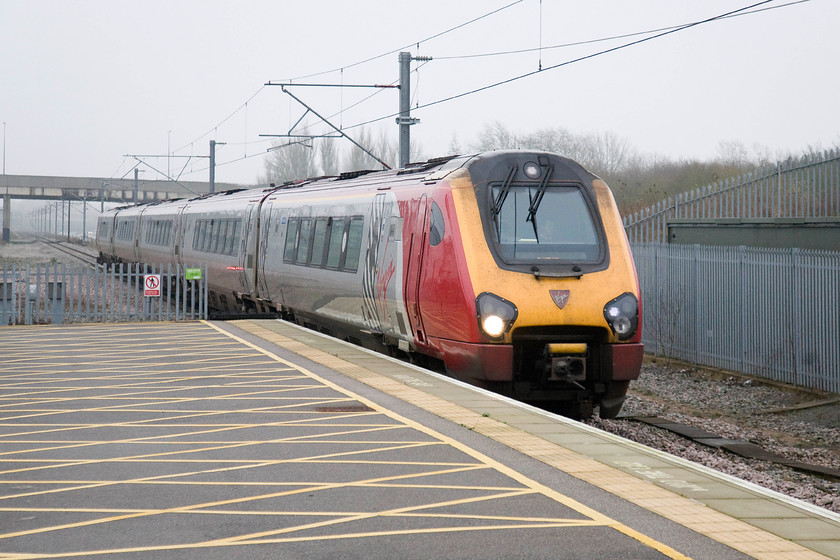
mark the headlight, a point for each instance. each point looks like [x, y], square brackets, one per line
[622, 314]
[495, 315]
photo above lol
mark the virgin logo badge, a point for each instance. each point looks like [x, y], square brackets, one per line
[560, 297]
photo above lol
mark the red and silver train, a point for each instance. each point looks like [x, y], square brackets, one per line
[508, 269]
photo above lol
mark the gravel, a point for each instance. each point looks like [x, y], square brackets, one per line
[21, 251]
[737, 408]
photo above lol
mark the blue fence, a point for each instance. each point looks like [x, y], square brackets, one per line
[772, 313]
[33, 294]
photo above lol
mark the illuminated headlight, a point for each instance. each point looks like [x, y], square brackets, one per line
[622, 314]
[495, 315]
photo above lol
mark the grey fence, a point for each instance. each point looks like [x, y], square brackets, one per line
[808, 187]
[73, 293]
[772, 313]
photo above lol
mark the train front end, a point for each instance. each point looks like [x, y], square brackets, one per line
[556, 293]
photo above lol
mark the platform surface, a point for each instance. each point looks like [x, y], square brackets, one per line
[258, 439]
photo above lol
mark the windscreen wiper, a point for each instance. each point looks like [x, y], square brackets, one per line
[499, 200]
[537, 199]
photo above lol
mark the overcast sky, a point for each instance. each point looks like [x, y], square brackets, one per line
[83, 83]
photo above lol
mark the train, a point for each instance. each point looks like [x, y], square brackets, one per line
[507, 269]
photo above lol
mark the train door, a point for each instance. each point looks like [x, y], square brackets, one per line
[138, 229]
[265, 232]
[178, 233]
[247, 251]
[416, 250]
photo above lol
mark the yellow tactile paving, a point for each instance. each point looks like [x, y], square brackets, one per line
[720, 527]
[165, 423]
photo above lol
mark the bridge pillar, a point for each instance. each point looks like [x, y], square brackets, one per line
[7, 218]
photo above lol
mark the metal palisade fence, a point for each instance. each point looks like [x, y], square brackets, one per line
[772, 313]
[34, 294]
[807, 187]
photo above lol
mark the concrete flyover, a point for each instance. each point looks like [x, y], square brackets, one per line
[101, 189]
[42, 187]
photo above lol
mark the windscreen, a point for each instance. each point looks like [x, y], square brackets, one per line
[552, 227]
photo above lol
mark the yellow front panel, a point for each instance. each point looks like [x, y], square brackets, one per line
[587, 295]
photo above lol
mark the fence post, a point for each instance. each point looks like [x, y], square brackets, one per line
[796, 309]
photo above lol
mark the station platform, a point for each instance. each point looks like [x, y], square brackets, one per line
[259, 439]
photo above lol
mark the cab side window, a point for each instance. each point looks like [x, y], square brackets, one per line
[437, 226]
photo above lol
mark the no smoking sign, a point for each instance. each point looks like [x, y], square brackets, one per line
[151, 285]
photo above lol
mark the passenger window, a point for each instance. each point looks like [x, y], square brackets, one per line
[220, 248]
[319, 240]
[291, 240]
[237, 232]
[205, 235]
[303, 244]
[228, 244]
[354, 245]
[336, 243]
[437, 226]
[214, 239]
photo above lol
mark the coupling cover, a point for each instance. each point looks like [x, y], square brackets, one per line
[566, 348]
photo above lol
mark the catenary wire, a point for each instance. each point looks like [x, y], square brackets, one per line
[747, 10]
[342, 68]
[245, 104]
[435, 36]
[567, 63]
[605, 39]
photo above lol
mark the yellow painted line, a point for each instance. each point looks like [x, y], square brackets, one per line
[717, 526]
[544, 490]
[147, 457]
[306, 489]
[466, 418]
[332, 457]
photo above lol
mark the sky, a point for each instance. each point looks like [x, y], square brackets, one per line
[86, 85]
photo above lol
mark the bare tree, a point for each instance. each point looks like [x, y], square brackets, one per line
[382, 146]
[496, 137]
[455, 145]
[733, 153]
[356, 159]
[387, 150]
[604, 152]
[329, 156]
[290, 161]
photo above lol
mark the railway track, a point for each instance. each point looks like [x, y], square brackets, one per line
[70, 249]
[740, 447]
